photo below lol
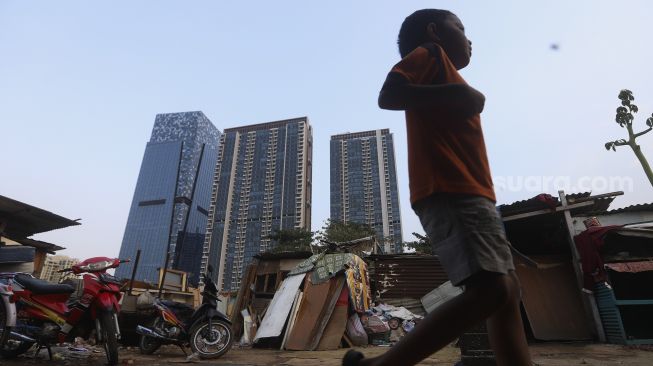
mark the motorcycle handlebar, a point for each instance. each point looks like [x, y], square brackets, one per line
[125, 261]
[208, 294]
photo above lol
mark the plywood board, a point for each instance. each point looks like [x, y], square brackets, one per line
[277, 313]
[335, 329]
[314, 313]
[552, 300]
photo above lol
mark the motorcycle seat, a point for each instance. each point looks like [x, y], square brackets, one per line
[177, 305]
[42, 287]
[181, 310]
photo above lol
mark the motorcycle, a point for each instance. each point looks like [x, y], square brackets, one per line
[207, 330]
[33, 311]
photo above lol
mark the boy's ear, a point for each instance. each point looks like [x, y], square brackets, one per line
[432, 32]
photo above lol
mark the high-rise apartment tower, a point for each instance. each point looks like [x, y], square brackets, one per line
[262, 183]
[364, 184]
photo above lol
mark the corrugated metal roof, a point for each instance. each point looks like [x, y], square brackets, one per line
[632, 208]
[546, 201]
[400, 276]
[24, 220]
[42, 245]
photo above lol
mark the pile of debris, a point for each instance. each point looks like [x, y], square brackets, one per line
[387, 324]
[311, 308]
[324, 303]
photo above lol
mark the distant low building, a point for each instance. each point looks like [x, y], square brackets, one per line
[53, 264]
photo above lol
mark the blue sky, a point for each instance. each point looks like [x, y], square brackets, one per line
[81, 83]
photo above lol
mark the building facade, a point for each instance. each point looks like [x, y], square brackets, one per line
[173, 192]
[364, 184]
[54, 263]
[262, 183]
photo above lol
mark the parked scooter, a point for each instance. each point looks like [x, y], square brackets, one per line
[207, 330]
[33, 311]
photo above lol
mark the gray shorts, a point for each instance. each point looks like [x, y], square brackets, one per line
[466, 233]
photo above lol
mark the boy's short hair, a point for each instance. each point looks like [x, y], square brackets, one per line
[413, 30]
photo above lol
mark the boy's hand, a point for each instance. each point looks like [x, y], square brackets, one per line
[459, 100]
[472, 100]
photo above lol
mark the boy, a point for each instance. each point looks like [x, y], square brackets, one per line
[452, 193]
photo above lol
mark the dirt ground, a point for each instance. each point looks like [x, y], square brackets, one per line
[544, 354]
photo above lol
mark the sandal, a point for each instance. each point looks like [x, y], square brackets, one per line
[352, 358]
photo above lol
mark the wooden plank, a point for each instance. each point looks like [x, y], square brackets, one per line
[293, 316]
[592, 311]
[318, 303]
[327, 312]
[547, 211]
[335, 328]
[242, 299]
[553, 304]
[278, 310]
[348, 341]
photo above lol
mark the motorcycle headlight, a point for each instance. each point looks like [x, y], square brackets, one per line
[97, 266]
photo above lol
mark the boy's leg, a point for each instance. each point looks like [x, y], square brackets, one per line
[485, 293]
[506, 331]
[468, 236]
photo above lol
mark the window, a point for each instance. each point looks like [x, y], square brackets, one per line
[266, 283]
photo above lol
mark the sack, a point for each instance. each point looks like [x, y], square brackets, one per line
[355, 331]
[376, 325]
[145, 300]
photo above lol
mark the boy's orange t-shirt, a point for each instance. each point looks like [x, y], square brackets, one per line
[446, 154]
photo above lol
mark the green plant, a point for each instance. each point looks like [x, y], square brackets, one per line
[625, 119]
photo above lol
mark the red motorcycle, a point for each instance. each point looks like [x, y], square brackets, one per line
[34, 311]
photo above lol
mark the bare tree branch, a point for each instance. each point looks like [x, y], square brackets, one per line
[620, 143]
[643, 132]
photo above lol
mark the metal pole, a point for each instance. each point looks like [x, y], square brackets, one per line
[172, 221]
[131, 283]
[190, 206]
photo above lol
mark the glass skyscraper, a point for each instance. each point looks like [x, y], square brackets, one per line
[262, 183]
[364, 184]
[170, 206]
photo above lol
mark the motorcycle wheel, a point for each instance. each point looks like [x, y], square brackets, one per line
[10, 348]
[109, 336]
[211, 343]
[149, 345]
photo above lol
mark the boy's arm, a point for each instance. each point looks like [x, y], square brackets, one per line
[398, 94]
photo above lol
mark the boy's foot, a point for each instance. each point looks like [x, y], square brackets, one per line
[352, 358]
